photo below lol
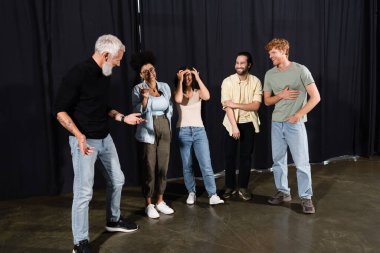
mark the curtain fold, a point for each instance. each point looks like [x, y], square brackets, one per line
[336, 39]
[331, 38]
[27, 161]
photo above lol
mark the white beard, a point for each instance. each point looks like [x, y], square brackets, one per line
[107, 69]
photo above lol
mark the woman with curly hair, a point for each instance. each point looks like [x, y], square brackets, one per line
[152, 99]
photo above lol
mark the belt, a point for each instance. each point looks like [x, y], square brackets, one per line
[159, 116]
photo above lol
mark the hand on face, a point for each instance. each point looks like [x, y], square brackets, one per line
[181, 74]
[195, 73]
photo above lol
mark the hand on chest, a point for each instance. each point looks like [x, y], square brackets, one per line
[291, 84]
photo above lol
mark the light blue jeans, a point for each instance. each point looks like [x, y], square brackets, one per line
[286, 134]
[83, 165]
[196, 138]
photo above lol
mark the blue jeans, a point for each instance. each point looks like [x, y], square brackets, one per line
[83, 165]
[196, 138]
[286, 134]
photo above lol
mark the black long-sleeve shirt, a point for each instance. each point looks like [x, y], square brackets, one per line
[83, 94]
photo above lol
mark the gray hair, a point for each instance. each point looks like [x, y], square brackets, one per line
[109, 43]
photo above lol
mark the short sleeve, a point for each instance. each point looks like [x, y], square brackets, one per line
[258, 92]
[267, 84]
[225, 93]
[306, 76]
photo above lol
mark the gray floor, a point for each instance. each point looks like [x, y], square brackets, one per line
[346, 195]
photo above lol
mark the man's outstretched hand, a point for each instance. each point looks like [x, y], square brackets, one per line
[133, 119]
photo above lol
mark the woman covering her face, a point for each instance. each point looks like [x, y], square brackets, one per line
[152, 99]
[192, 134]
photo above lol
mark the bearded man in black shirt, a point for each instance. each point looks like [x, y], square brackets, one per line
[81, 107]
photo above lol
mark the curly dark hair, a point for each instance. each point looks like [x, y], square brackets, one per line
[141, 58]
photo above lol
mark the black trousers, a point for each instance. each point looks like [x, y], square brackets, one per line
[245, 147]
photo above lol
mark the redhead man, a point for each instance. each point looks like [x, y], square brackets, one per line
[286, 86]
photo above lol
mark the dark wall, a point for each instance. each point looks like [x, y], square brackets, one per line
[41, 40]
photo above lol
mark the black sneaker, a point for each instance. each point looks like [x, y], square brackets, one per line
[307, 206]
[82, 247]
[121, 226]
[228, 193]
[244, 194]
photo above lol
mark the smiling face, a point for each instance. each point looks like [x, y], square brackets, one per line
[241, 65]
[115, 61]
[148, 72]
[110, 62]
[188, 79]
[278, 50]
[277, 56]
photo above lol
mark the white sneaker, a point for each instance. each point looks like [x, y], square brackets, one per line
[164, 208]
[215, 200]
[152, 212]
[191, 199]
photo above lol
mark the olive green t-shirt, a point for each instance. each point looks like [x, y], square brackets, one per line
[296, 77]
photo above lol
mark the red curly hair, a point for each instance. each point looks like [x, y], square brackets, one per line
[280, 44]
